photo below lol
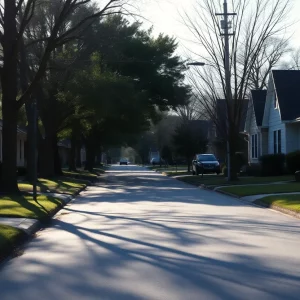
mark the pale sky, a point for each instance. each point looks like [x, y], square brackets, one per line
[164, 15]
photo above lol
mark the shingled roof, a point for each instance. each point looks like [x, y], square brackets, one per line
[287, 85]
[259, 101]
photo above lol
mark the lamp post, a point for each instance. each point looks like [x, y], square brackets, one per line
[34, 149]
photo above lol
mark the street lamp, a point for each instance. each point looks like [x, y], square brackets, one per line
[196, 63]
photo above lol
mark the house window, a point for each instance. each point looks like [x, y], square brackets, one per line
[254, 146]
[277, 141]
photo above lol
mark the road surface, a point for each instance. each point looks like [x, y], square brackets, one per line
[143, 236]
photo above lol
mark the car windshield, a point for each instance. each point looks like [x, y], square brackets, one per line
[207, 157]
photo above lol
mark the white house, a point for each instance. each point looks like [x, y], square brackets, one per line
[257, 135]
[279, 131]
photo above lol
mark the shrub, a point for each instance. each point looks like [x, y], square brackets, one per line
[272, 164]
[253, 170]
[240, 160]
[293, 162]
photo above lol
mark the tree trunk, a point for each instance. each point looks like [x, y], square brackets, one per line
[57, 161]
[30, 151]
[29, 114]
[90, 158]
[46, 157]
[9, 141]
[72, 160]
[233, 140]
[78, 156]
[9, 94]
[188, 164]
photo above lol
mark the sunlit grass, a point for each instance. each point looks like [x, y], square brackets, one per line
[242, 191]
[290, 202]
[24, 206]
[9, 236]
[59, 185]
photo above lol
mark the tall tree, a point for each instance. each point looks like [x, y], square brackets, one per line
[15, 19]
[188, 141]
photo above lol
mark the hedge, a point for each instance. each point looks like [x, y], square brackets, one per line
[293, 161]
[272, 164]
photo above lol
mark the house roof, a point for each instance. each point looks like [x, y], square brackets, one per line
[259, 101]
[287, 85]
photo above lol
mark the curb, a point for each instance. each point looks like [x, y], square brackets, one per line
[261, 204]
[33, 228]
[227, 194]
[277, 208]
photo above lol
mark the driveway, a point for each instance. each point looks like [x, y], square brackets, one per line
[140, 235]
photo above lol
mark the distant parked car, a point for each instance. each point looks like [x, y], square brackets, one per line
[124, 161]
[206, 163]
[156, 161]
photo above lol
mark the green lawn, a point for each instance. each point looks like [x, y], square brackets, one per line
[290, 202]
[177, 173]
[81, 174]
[242, 191]
[59, 185]
[170, 169]
[213, 180]
[9, 237]
[23, 206]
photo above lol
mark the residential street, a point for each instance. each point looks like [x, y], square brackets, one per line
[140, 235]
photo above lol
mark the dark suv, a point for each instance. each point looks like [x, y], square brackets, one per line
[205, 163]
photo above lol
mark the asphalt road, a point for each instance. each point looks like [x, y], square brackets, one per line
[140, 235]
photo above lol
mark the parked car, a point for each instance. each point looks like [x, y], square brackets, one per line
[156, 161]
[206, 163]
[124, 161]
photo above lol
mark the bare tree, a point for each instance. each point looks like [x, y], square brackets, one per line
[255, 26]
[270, 55]
[192, 110]
[293, 62]
[15, 19]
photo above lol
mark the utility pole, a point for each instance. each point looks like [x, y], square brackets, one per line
[226, 25]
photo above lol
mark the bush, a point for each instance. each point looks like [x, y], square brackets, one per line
[293, 162]
[253, 170]
[240, 160]
[22, 171]
[272, 164]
